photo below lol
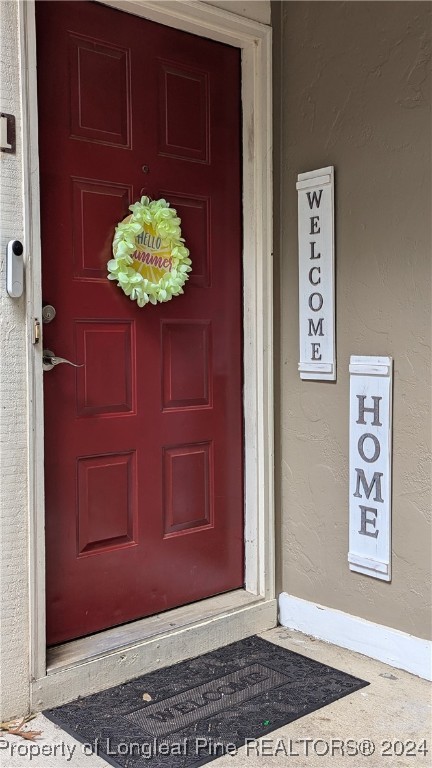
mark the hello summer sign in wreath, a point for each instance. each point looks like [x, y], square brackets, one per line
[151, 262]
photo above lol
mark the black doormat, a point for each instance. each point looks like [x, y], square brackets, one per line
[197, 710]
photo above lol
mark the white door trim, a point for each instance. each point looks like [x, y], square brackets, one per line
[254, 40]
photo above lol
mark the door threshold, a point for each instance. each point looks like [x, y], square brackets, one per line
[127, 635]
[101, 661]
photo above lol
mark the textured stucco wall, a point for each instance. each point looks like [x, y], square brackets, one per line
[14, 590]
[354, 90]
[258, 10]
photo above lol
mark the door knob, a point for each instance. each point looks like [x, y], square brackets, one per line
[50, 360]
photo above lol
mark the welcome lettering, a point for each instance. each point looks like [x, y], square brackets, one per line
[316, 274]
[316, 300]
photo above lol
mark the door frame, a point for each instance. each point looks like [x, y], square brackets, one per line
[254, 40]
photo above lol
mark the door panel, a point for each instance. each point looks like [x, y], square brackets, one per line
[144, 443]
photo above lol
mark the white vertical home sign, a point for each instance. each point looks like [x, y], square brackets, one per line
[316, 274]
[370, 466]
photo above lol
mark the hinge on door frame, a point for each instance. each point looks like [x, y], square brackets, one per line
[36, 331]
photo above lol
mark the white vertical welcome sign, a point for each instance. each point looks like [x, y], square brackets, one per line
[316, 274]
[370, 466]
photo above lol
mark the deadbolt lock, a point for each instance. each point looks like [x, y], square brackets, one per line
[48, 313]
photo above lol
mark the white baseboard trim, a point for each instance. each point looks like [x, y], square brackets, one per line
[413, 654]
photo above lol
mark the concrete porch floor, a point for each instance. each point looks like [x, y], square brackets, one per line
[394, 713]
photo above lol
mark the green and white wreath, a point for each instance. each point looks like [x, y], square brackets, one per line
[151, 262]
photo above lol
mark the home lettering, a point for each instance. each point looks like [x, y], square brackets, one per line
[369, 450]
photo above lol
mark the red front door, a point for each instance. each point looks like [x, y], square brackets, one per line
[144, 455]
